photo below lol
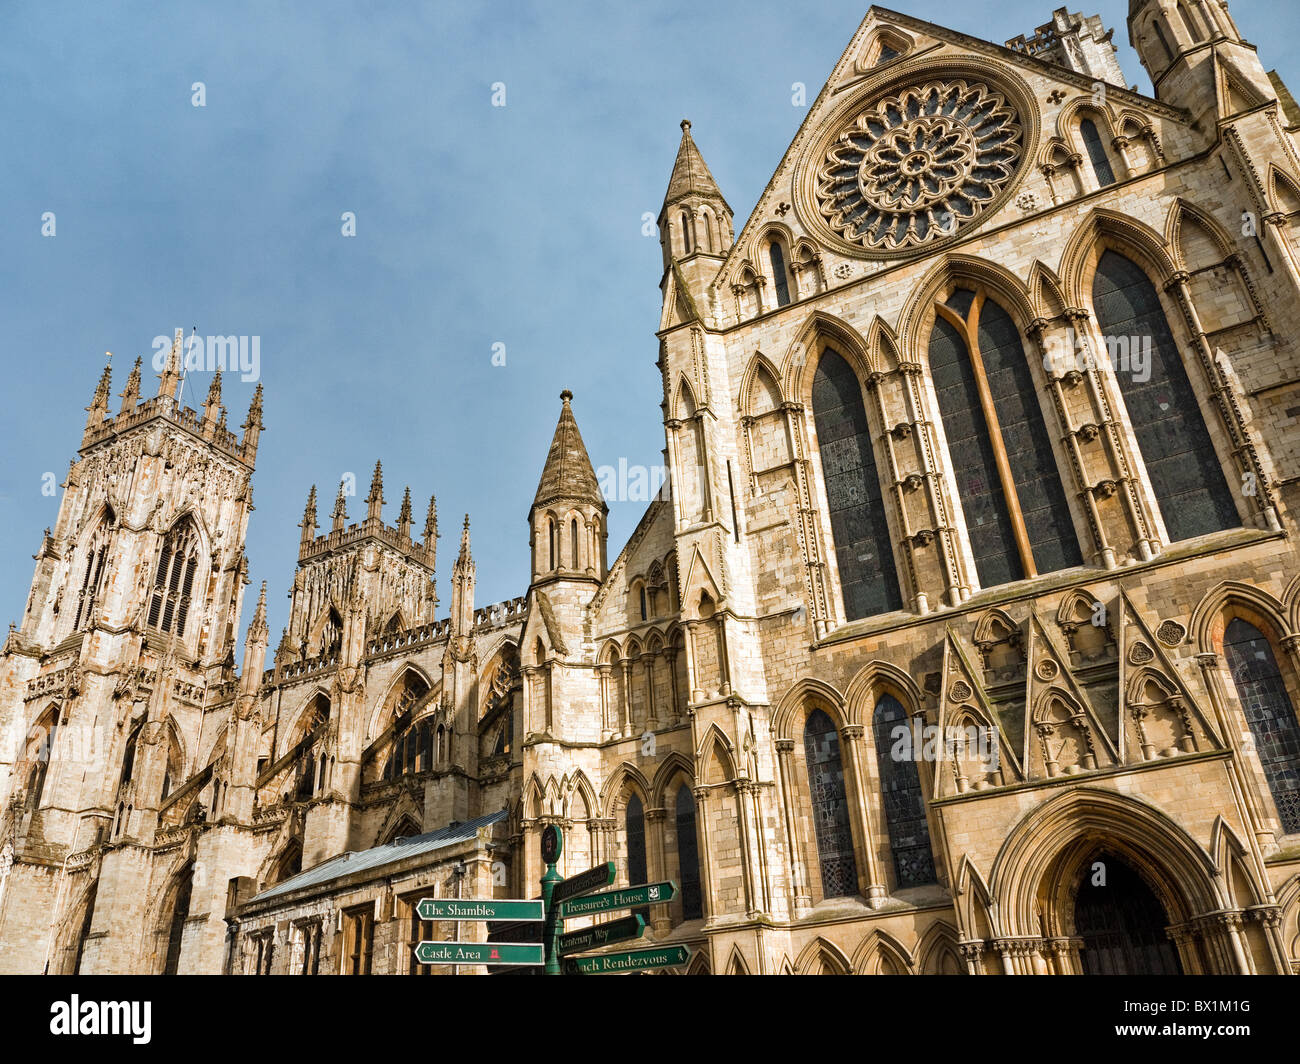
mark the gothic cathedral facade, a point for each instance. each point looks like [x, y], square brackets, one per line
[967, 640]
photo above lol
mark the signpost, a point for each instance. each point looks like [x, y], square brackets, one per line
[479, 909]
[602, 934]
[562, 899]
[623, 898]
[504, 953]
[584, 882]
[630, 961]
[498, 953]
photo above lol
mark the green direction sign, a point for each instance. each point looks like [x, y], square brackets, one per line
[623, 898]
[584, 882]
[602, 934]
[512, 953]
[478, 909]
[631, 961]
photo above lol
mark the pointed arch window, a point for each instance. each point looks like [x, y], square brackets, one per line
[550, 541]
[1164, 41]
[1270, 714]
[92, 578]
[331, 635]
[573, 542]
[636, 854]
[180, 913]
[686, 232]
[830, 807]
[1097, 153]
[863, 550]
[688, 855]
[1017, 520]
[40, 749]
[1181, 463]
[776, 255]
[169, 605]
[904, 801]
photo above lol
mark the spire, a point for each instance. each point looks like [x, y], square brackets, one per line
[695, 219]
[568, 474]
[404, 515]
[375, 500]
[691, 176]
[308, 525]
[340, 513]
[131, 393]
[212, 404]
[170, 376]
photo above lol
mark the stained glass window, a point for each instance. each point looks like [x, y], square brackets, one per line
[777, 257]
[900, 784]
[830, 807]
[1096, 152]
[1028, 445]
[169, 605]
[1181, 463]
[636, 862]
[970, 452]
[688, 856]
[868, 579]
[1270, 715]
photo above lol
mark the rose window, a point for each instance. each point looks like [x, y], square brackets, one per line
[916, 165]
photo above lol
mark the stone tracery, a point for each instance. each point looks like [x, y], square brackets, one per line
[916, 164]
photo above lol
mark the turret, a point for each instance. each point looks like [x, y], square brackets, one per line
[1197, 59]
[568, 514]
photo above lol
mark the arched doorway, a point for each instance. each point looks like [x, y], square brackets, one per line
[180, 912]
[1121, 922]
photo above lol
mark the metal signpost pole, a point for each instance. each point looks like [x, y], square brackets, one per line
[552, 847]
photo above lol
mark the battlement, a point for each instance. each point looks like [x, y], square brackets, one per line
[165, 408]
[372, 528]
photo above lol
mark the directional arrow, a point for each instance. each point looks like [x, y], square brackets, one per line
[478, 909]
[602, 934]
[623, 898]
[631, 961]
[592, 879]
[505, 953]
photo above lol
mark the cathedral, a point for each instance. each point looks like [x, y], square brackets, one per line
[966, 639]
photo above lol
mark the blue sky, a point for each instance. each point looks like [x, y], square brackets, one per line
[476, 225]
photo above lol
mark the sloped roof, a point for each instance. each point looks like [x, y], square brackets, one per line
[691, 174]
[568, 473]
[350, 863]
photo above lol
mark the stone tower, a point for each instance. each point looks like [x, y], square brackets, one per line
[353, 584]
[130, 620]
